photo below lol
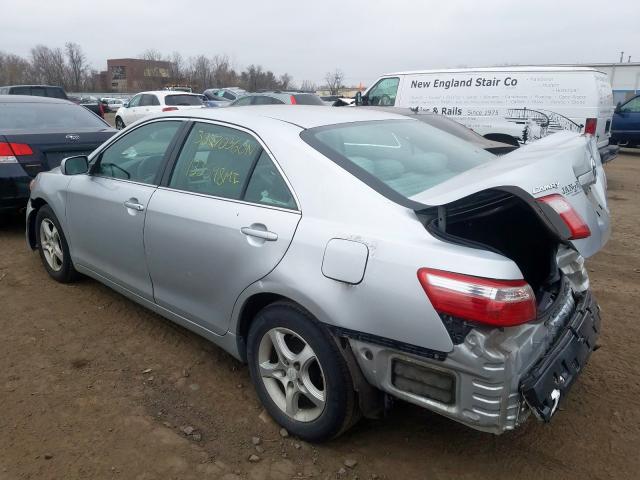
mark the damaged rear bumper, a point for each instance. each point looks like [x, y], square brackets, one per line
[550, 379]
[494, 378]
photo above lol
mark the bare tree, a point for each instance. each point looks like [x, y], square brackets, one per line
[49, 66]
[334, 81]
[151, 54]
[200, 71]
[77, 64]
[14, 70]
[286, 81]
[308, 86]
[223, 73]
[177, 67]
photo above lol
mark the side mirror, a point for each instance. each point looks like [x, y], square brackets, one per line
[74, 165]
[125, 104]
[617, 110]
[358, 99]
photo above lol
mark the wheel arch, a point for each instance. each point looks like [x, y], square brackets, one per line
[36, 204]
[248, 311]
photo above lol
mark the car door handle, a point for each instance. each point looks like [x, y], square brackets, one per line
[132, 204]
[264, 234]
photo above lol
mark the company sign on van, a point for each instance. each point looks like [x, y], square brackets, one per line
[470, 82]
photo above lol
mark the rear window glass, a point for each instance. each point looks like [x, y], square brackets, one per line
[182, 100]
[56, 93]
[407, 156]
[43, 116]
[308, 100]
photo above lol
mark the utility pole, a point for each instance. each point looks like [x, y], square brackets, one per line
[629, 59]
[621, 56]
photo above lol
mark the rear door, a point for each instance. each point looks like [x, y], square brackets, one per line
[106, 209]
[223, 220]
[149, 105]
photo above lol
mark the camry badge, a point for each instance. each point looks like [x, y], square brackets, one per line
[544, 188]
[72, 136]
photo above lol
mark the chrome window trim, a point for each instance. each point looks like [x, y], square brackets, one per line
[232, 200]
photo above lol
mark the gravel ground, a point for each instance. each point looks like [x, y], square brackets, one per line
[94, 386]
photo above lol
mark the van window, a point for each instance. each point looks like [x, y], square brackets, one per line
[407, 156]
[384, 92]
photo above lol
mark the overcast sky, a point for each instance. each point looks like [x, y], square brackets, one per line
[306, 39]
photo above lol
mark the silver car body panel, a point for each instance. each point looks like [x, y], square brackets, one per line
[204, 284]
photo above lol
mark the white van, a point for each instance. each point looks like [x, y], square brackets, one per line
[508, 104]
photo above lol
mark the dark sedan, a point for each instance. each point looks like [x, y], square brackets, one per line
[36, 133]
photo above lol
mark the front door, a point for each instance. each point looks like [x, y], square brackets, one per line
[132, 112]
[626, 123]
[106, 209]
[223, 221]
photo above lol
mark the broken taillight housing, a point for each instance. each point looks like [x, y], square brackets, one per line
[499, 303]
[577, 226]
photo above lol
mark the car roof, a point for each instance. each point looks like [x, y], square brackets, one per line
[31, 99]
[303, 116]
[34, 85]
[519, 68]
[166, 92]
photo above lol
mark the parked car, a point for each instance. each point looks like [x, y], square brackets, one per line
[149, 103]
[507, 104]
[92, 103]
[36, 133]
[35, 90]
[221, 97]
[112, 104]
[278, 98]
[346, 255]
[625, 130]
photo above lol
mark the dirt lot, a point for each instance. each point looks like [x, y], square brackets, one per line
[94, 386]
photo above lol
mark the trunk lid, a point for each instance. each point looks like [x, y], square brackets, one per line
[50, 148]
[564, 163]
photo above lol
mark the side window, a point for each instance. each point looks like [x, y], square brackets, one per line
[146, 100]
[138, 155]
[215, 160]
[243, 101]
[265, 100]
[632, 106]
[267, 186]
[135, 101]
[228, 95]
[384, 92]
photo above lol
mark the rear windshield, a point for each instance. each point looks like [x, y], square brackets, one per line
[184, 100]
[47, 116]
[308, 99]
[407, 156]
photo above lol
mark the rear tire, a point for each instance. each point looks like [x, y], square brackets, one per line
[300, 375]
[119, 123]
[53, 247]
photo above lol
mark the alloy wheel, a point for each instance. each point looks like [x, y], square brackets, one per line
[51, 245]
[292, 374]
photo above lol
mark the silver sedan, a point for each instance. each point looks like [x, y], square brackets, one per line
[347, 256]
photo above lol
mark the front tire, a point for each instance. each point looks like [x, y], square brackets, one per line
[299, 374]
[119, 123]
[53, 247]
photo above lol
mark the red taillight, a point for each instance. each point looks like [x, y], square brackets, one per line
[169, 109]
[293, 100]
[569, 216]
[17, 149]
[590, 126]
[500, 303]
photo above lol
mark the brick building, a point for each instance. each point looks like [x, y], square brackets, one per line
[130, 75]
